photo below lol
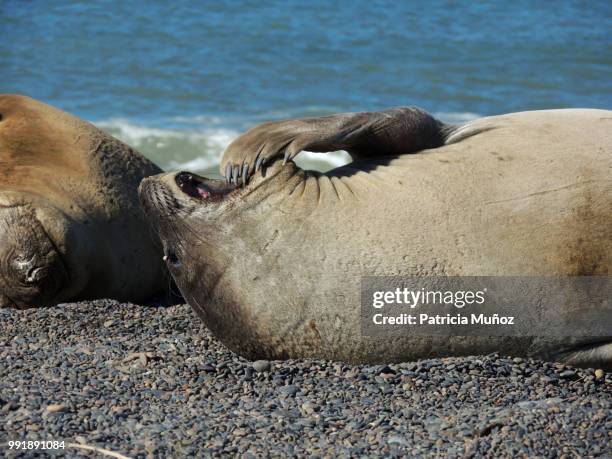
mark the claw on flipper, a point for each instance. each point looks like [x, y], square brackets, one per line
[259, 162]
[245, 173]
[236, 174]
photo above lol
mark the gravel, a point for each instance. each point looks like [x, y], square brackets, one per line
[150, 381]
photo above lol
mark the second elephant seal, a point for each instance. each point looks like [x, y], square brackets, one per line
[70, 224]
[274, 267]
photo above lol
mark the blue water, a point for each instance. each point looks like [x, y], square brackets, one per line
[180, 79]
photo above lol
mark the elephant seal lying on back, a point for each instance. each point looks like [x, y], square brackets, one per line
[70, 224]
[273, 267]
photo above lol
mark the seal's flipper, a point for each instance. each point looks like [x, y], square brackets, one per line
[391, 132]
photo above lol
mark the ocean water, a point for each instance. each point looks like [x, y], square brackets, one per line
[179, 80]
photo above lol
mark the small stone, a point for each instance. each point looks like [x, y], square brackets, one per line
[261, 365]
[248, 373]
[289, 390]
[599, 374]
[397, 440]
[306, 422]
[386, 370]
[568, 374]
[308, 408]
[10, 406]
[56, 408]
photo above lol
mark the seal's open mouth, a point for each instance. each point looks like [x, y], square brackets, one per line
[202, 188]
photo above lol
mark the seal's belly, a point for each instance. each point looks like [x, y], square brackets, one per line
[499, 204]
[525, 198]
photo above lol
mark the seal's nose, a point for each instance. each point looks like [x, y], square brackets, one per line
[155, 196]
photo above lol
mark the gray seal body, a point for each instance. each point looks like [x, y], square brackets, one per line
[272, 260]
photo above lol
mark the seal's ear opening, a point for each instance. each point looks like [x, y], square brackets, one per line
[202, 188]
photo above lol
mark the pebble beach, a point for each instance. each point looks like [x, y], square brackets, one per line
[121, 380]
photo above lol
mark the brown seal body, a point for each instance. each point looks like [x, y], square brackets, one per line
[274, 267]
[70, 224]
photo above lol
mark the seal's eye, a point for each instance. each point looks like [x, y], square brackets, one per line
[171, 257]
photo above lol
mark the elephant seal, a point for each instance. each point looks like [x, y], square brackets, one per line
[71, 227]
[271, 259]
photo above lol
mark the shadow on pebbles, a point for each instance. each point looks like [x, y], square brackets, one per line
[151, 382]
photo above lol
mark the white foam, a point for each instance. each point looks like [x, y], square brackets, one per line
[196, 148]
[137, 134]
[334, 159]
[201, 143]
[197, 164]
[191, 148]
[198, 119]
[133, 133]
[456, 117]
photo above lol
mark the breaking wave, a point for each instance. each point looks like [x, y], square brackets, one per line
[197, 143]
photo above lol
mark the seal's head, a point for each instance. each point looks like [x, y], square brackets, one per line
[185, 209]
[32, 271]
[200, 221]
